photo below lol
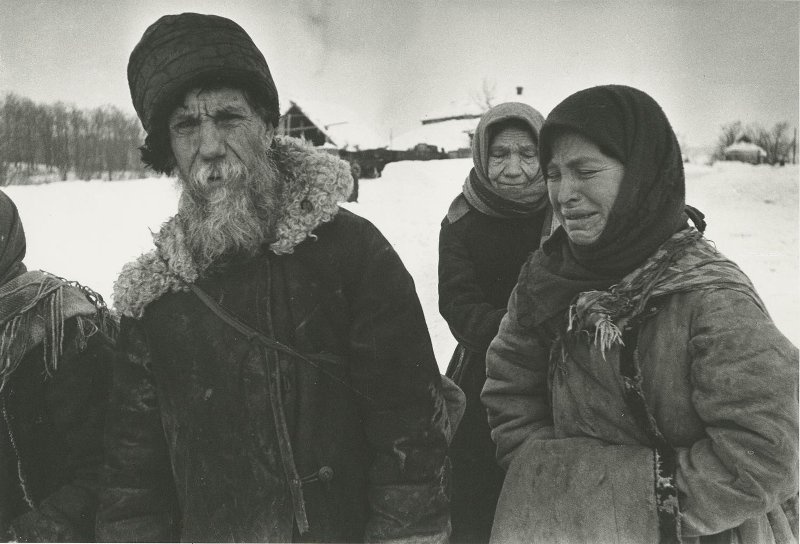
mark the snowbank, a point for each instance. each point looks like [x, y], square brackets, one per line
[87, 230]
[752, 215]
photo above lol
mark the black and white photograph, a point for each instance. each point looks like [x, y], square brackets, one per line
[467, 271]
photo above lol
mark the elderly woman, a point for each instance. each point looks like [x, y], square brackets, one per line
[637, 390]
[490, 229]
[55, 361]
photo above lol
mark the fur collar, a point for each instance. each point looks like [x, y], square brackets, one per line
[317, 182]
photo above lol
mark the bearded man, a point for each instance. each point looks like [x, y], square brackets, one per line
[276, 380]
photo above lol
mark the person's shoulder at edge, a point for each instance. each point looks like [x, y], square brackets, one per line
[349, 232]
[458, 209]
[347, 223]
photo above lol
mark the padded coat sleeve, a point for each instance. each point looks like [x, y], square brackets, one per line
[516, 393]
[463, 304]
[137, 501]
[744, 377]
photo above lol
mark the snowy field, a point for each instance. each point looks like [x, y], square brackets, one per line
[86, 231]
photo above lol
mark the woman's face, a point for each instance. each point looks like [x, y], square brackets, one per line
[513, 161]
[583, 184]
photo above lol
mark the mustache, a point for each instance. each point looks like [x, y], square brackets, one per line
[223, 170]
[229, 207]
[205, 178]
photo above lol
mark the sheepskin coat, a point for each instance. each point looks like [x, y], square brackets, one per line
[194, 448]
[721, 384]
[51, 439]
[479, 261]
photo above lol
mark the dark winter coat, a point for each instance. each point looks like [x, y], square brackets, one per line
[193, 450]
[51, 440]
[479, 261]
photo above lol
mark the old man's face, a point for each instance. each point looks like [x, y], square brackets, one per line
[232, 190]
[216, 129]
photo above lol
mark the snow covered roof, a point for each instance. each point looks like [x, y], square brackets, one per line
[745, 147]
[343, 127]
[455, 108]
[449, 135]
[471, 107]
[449, 127]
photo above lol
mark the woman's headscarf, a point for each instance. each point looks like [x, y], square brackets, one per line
[630, 126]
[478, 189]
[12, 240]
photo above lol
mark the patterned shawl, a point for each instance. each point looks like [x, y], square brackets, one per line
[685, 262]
[33, 309]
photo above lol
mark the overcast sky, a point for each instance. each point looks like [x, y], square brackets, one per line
[706, 62]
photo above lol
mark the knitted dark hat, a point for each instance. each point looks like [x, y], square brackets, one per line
[601, 114]
[178, 52]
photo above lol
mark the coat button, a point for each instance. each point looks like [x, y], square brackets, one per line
[325, 474]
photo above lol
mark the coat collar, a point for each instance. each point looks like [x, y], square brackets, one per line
[316, 182]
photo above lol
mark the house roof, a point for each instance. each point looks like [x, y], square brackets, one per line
[745, 147]
[449, 127]
[453, 110]
[469, 107]
[343, 127]
[449, 135]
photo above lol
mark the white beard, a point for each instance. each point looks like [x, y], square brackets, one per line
[234, 214]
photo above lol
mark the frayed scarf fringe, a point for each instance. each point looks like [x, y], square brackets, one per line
[685, 262]
[606, 332]
[13, 346]
[667, 503]
[17, 338]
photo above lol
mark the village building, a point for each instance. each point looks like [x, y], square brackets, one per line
[449, 129]
[337, 130]
[443, 133]
[745, 151]
[328, 126]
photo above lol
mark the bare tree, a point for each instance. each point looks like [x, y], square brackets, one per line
[487, 96]
[62, 138]
[729, 134]
[18, 120]
[776, 142]
[5, 142]
[43, 136]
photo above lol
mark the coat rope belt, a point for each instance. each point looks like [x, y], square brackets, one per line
[253, 335]
[276, 401]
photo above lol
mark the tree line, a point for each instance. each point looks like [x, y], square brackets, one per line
[53, 140]
[778, 142]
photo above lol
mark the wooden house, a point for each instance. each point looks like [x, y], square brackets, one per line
[745, 151]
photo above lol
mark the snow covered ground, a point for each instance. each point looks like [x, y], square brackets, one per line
[86, 231]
